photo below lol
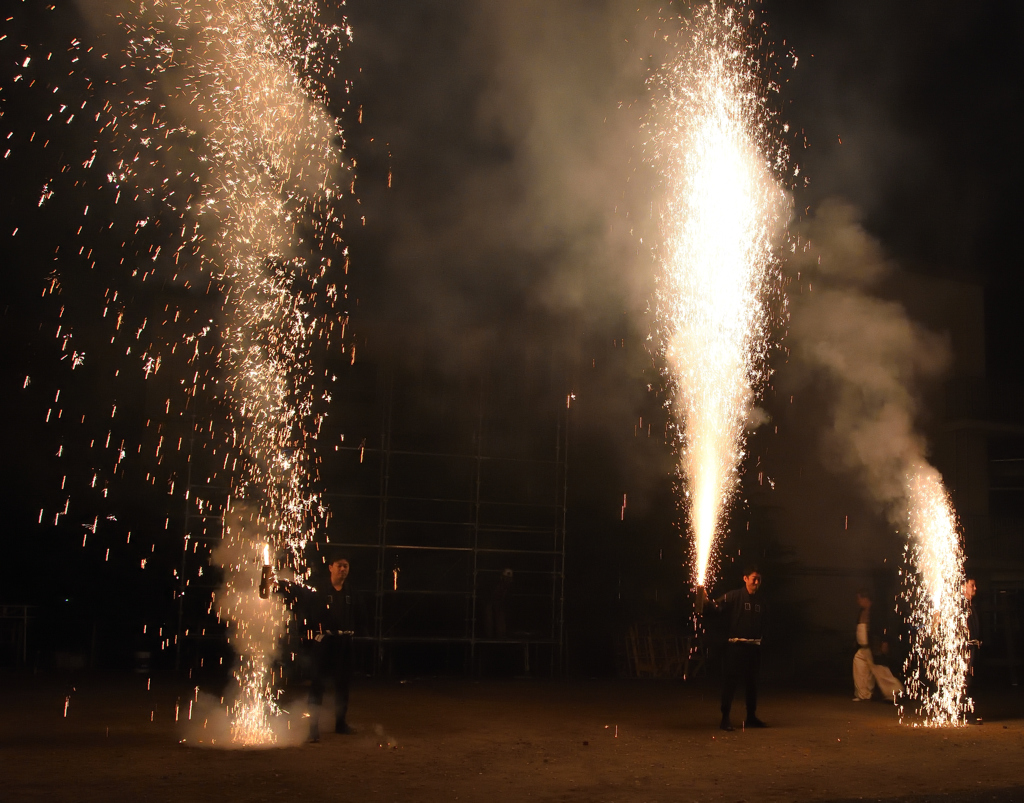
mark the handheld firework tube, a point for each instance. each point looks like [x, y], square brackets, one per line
[267, 578]
[266, 582]
[701, 601]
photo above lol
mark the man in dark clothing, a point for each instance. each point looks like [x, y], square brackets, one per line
[973, 626]
[973, 640]
[746, 612]
[330, 615]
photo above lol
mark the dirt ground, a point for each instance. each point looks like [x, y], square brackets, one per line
[434, 740]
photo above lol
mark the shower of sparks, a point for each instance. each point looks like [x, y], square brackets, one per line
[719, 158]
[936, 667]
[212, 133]
[271, 157]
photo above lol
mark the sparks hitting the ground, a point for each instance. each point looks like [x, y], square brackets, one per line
[936, 667]
[723, 208]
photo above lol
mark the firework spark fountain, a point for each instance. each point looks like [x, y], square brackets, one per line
[724, 207]
[215, 122]
[272, 155]
[873, 355]
[936, 667]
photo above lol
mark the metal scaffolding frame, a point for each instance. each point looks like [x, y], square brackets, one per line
[14, 623]
[528, 534]
[483, 524]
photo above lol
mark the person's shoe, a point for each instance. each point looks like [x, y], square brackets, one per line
[726, 725]
[343, 727]
[754, 722]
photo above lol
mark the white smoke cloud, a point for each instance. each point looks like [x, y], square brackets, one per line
[867, 349]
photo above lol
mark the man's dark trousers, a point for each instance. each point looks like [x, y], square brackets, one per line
[332, 658]
[741, 662]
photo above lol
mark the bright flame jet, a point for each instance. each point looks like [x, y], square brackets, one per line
[723, 210]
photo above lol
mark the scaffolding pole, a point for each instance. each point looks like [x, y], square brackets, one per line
[474, 527]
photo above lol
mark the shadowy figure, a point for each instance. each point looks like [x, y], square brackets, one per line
[970, 588]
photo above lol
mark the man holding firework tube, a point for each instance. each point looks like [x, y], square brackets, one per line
[746, 613]
[330, 615]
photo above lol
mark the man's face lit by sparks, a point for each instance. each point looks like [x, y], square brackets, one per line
[339, 572]
[752, 581]
[970, 589]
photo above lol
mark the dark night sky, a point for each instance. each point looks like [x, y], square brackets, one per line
[925, 98]
[520, 195]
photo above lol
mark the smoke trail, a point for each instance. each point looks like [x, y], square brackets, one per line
[874, 358]
[722, 215]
